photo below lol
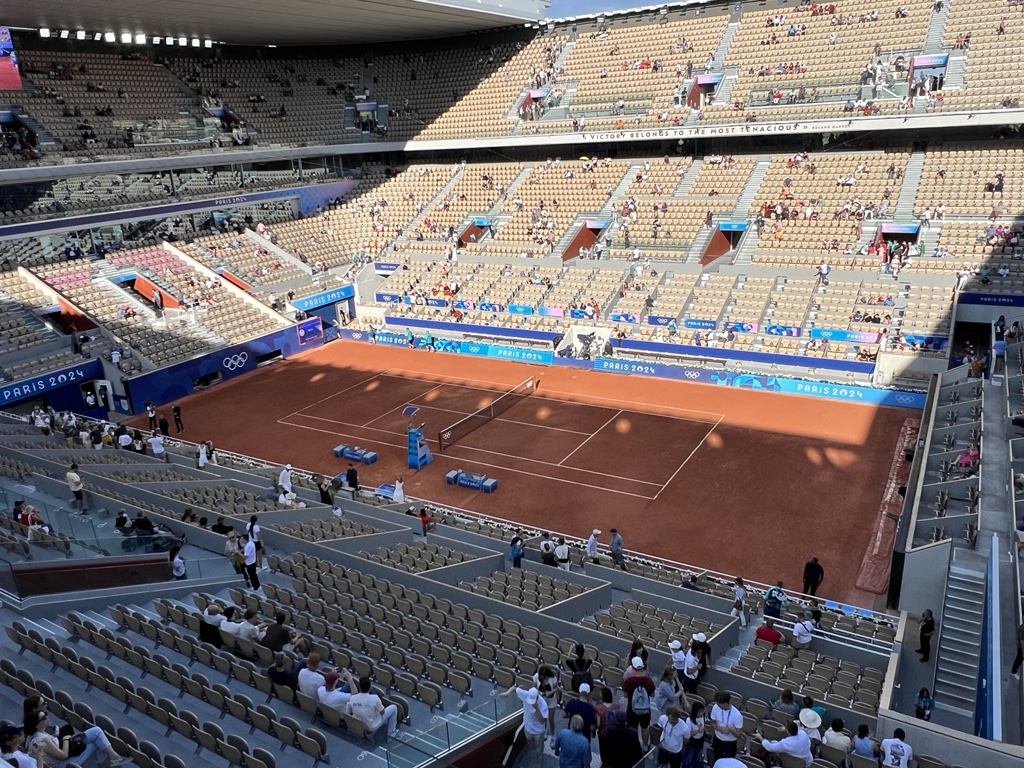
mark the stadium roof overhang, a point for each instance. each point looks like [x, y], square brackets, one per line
[276, 22]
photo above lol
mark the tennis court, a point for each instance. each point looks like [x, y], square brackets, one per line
[736, 480]
[562, 441]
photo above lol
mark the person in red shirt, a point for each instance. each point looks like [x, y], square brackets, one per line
[769, 633]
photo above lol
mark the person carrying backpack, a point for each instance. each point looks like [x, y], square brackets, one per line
[775, 599]
[516, 550]
[638, 689]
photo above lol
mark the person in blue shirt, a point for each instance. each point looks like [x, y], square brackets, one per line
[572, 747]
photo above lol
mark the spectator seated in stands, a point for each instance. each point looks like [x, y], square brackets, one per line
[769, 633]
[970, 457]
[330, 694]
[248, 628]
[285, 671]
[153, 536]
[279, 637]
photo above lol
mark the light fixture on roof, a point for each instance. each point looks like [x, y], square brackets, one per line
[98, 36]
[80, 34]
[109, 37]
[196, 42]
[64, 34]
[140, 39]
[157, 40]
[183, 42]
[44, 32]
[208, 43]
[126, 37]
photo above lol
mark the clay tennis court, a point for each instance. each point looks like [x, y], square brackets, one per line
[733, 480]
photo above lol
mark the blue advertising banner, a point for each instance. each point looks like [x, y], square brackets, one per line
[464, 304]
[387, 298]
[837, 334]
[177, 381]
[781, 330]
[624, 317]
[659, 320]
[768, 383]
[332, 296]
[488, 307]
[733, 226]
[432, 302]
[37, 385]
[992, 299]
[520, 309]
[740, 327]
[576, 314]
[696, 322]
[937, 343]
[899, 229]
[385, 267]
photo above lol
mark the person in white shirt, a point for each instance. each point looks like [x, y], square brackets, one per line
[802, 631]
[562, 555]
[592, 547]
[285, 478]
[331, 695]
[739, 592]
[250, 555]
[156, 442]
[835, 737]
[177, 565]
[249, 628]
[398, 497]
[535, 726]
[728, 724]
[311, 678]
[896, 753]
[674, 735]
[678, 659]
[691, 671]
[797, 744]
[370, 709]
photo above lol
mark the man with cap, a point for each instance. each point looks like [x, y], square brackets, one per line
[11, 740]
[592, 547]
[535, 726]
[802, 631]
[678, 659]
[583, 708]
[330, 695]
[285, 478]
[702, 650]
[639, 688]
[618, 549]
[572, 747]
[796, 744]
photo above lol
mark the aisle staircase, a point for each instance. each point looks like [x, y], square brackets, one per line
[904, 208]
[742, 209]
[686, 181]
[956, 71]
[958, 654]
[933, 41]
[723, 45]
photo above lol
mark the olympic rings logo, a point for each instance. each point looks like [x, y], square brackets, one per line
[904, 399]
[692, 374]
[446, 435]
[235, 362]
[474, 348]
[357, 335]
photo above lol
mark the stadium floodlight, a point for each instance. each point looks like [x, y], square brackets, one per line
[80, 34]
[140, 39]
[183, 42]
[208, 43]
[126, 37]
[64, 34]
[44, 32]
[196, 42]
[110, 37]
[157, 40]
[98, 36]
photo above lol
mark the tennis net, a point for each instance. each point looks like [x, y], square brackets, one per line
[455, 432]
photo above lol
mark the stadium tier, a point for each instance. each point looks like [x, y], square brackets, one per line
[818, 201]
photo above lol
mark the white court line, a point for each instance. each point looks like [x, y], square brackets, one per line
[544, 391]
[335, 394]
[501, 467]
[471, 448]
[615, 416]
[403, 405]
[695, 449]
[505, 421]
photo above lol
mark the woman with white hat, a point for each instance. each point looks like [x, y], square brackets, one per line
[809, 722]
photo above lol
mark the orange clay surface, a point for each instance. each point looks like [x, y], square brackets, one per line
[732, 480]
